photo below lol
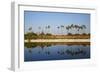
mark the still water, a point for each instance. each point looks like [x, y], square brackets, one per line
[40, 52]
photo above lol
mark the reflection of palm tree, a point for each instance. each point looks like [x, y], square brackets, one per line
[73, 53]
[39, 52]
[47, 52]
[30, 50]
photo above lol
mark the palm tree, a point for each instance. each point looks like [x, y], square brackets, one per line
[46, 28]
[30, 28]
[77, 27]
[67, 29]
[58, 28]
[62, 27]
[84, 28]
[39, 29]
[30, 34]
[49, 28]
[72, 25]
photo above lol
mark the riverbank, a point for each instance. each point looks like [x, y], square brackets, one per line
[58, 40]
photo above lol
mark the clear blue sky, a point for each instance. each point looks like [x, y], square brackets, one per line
[54, 19]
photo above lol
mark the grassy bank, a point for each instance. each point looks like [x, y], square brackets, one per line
[76, 36]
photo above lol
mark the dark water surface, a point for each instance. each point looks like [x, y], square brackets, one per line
[44, 51]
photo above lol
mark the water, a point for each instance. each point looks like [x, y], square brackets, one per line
[40, 52]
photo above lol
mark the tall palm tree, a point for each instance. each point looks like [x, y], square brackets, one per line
[46, 28]
[77, 27]
[30, 28]
[39, 29]
[72, 25]
[84, 28]
[30, 34]
[67, 29]
[58, 28]
[49, 28]
[62, 27]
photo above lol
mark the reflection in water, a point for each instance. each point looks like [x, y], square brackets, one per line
[47, 44]
[72, 52]
[56, 51]
[30, 51]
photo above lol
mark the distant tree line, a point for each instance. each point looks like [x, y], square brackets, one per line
[41, 34]
[60, 28]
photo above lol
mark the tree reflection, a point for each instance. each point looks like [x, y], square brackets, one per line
[47, 52]
[49, 44]
[72, 52]
[30, 50]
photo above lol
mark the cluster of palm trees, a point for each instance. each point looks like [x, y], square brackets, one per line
[61, 28]
[47, 29]
[72, 26]
[78, 27]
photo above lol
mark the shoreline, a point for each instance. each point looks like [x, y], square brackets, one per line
[57, 40]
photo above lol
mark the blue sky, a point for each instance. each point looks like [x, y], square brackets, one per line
[42, 19]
